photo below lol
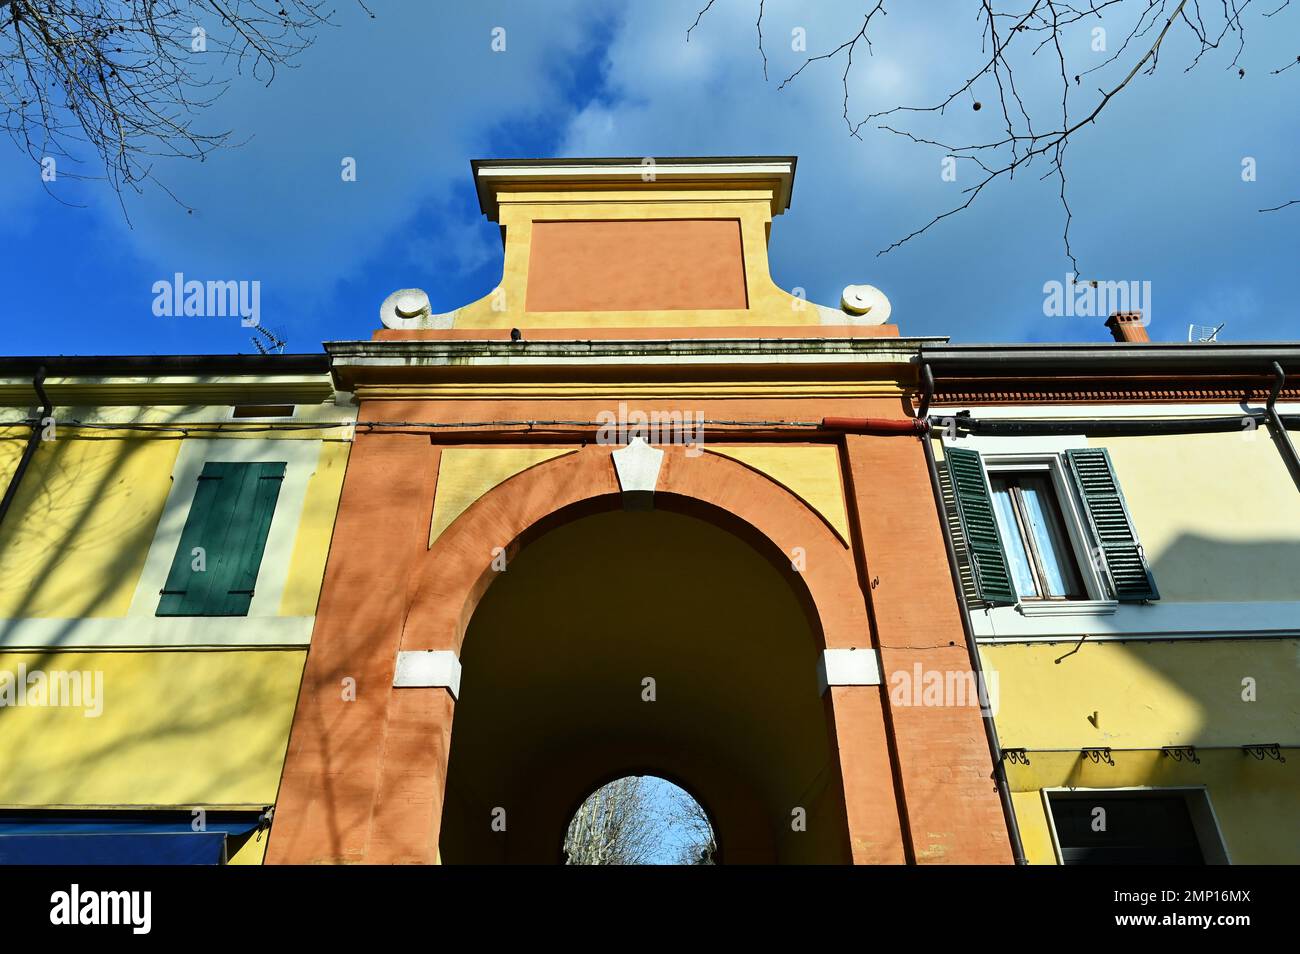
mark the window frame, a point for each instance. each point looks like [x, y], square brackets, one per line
[1205, 821]
[1097, 597]
[1037, 556]
[303, 457]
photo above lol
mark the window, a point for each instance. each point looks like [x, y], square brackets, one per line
[1135, 827]
[1038, 548]
[1044, 529]
[240, 411]
[214, 571]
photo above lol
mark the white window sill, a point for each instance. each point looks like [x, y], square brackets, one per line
[1168, 619]
[1068, 608]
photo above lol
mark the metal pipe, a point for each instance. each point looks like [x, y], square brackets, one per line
[1284, 441]
[876, 425]
[990, 728]
[33, 441]
[1099, 426]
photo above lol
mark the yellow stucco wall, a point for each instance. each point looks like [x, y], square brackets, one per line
[467, 473]
[250, 852]
[177, 728]
[1218, 514]
[315, 529]
[750, 204]
[12, 441]
[75, 542]
[810, 473]
[76, 538]
[1151, 694]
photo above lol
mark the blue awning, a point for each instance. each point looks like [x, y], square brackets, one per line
[119, 837]
[111, 848]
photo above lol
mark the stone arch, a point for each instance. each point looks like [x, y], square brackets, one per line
[457, 570]
[366, 780]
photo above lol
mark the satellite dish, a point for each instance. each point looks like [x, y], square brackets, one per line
[867, 301]
[405, 308]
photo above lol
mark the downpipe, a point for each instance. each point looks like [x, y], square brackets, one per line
[33, 441]
[986, 712]
[1284, 441]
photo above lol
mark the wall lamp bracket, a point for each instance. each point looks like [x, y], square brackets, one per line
[1097, 756]
[1271, 750]
[1181, 753]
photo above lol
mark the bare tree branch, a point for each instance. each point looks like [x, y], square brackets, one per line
[1010, 38]
[120, 83]
[616, 825]
[849, 45]
[699, 16]
[631, 820]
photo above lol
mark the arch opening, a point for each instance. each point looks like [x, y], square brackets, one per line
[655, 643]
[640, 820]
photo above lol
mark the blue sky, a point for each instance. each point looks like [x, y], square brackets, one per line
[416, 92]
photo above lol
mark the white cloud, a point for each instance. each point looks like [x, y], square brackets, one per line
[416, 93]
[410, 95]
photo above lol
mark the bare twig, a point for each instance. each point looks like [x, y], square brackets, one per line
[699, 16]
[1010, 38]
[118, 84]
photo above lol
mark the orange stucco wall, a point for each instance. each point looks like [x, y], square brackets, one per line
[945, 769]
[364, 778]
[648, 265]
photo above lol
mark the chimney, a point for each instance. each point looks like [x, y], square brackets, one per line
[1128, 327]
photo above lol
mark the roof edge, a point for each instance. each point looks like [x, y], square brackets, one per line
[488, 172]
[164, 365]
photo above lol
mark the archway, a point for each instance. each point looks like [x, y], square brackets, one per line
[655, 642]
[365, 775]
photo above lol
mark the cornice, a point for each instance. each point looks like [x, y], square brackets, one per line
[170, 391]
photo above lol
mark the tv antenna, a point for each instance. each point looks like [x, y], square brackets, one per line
[1203, 334]
[275, 345]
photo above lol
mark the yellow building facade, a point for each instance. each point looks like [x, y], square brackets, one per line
[1186, 701]
[110, 705]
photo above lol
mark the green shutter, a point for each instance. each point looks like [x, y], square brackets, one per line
[230, 519]
[979, 526]
[1112, 527]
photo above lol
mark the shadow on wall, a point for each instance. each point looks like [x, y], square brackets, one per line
[1170, 691]
[1210, 672]
[1139, 695]
[177, 727]
[1202, 569]
[62, 522]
